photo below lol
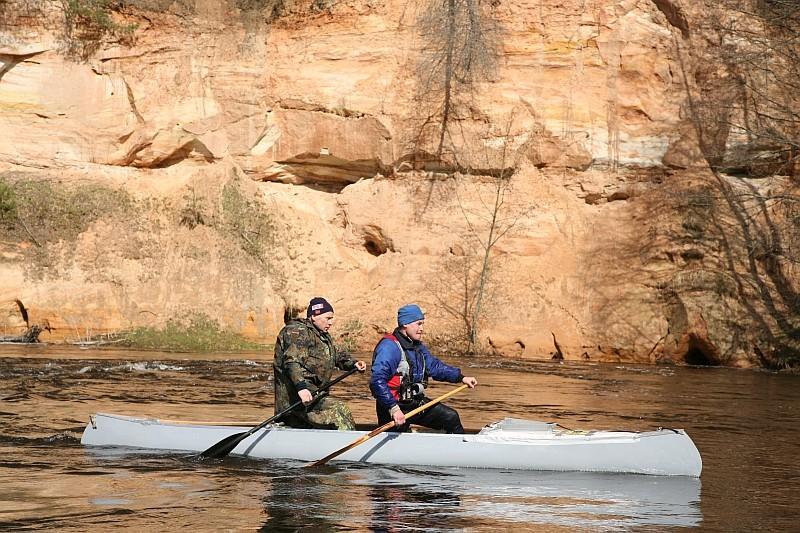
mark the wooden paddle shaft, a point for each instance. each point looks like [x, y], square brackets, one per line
[227, 445]
[387, 426]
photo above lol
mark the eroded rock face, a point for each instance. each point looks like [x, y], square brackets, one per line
[319, 147]
[277, 101]
[58, 113]
[588, 109]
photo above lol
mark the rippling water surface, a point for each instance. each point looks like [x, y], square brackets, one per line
[745, 423]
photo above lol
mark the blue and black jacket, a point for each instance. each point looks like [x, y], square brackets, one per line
[386, 357]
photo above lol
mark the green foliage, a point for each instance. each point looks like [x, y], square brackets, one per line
[8, 204]
[195, 332]
[95, 16]
[47, 212]
[160, 6]
[270, 7]
[253, 13]
[248, 223]
[249, 228]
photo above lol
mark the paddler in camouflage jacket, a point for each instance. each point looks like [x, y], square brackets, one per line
[305, 358]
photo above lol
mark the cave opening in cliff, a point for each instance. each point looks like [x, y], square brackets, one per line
[374, 246]
[375, 242]
[700, 354]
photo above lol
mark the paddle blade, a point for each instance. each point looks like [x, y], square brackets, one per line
[226, 445]
[223, 447]
[340, 451]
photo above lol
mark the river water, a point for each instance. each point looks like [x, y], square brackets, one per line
[746, 425]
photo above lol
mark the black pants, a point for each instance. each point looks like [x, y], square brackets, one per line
[439, 416]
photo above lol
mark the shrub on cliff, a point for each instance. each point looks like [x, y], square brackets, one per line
[46, 212]
[8, 204]
[94, 17]
[194, 332]
[251, 229]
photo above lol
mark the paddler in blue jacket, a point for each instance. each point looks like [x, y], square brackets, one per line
[401, 367]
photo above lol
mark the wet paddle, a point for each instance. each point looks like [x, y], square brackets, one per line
[385, 427]
[226, 445]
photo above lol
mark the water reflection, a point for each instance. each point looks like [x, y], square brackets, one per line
[509, 499]
[396, 506]
[402, 499]
[288, 504]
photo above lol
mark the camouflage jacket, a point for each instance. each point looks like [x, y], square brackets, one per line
[305, 357]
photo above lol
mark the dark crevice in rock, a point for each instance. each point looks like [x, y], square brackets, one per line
[185, 152]
[422, 161]
[674, 15]
[323, 172]
[132, 102]
[700, 353]
[374, 248]
[375, 242]
[300, 105]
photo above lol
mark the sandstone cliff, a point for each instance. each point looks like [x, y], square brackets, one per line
[267, 156]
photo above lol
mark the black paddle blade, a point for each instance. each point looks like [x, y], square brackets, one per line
[223, 447]
[226, 445]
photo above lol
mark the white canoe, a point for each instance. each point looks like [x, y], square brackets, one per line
[509, 444]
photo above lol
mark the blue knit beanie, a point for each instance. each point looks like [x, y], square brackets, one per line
[317, 306]
[408, 314]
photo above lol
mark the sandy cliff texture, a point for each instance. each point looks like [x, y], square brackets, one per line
[289, 141]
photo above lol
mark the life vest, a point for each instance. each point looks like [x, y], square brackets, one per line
[402, 385]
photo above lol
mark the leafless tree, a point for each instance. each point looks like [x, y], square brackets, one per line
[745, 108]
[460, 40]
[489, 215]
[756, 96]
